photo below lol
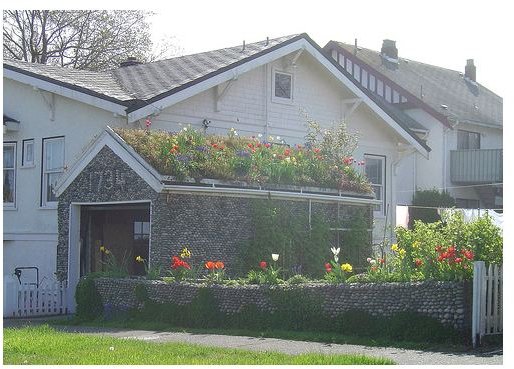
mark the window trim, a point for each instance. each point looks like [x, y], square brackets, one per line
[383, 159]
[25, 164]
[14, 144]
[277, 99]
[44, 195]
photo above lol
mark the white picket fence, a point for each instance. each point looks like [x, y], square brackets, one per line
[29, 300]
[487, 316]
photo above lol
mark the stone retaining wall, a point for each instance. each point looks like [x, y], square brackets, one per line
[448, 302]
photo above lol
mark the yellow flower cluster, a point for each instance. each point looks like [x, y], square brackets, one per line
[346, 268]
[104, 250]
[139, 259]
[185, 254]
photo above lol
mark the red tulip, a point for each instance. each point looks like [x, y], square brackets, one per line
[263, 264]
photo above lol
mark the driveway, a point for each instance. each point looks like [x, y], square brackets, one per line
[400, 356]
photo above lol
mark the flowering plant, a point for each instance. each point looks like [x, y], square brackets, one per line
[268, 274]
[335, 272]
[180, 269]
[216, 271]
[111, 265]
[151, 273]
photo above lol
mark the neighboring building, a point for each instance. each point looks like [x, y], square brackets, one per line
[52, 114]
[460, 119]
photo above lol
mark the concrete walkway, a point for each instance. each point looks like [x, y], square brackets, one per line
[400, 356]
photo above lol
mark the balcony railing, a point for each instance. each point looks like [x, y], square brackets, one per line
[476, 166]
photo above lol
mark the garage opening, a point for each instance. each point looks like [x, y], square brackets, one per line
[109, 233]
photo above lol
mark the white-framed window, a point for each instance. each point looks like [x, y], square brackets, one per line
[27, 153]
[52, 168]
[282, 87]
[9, 174]
[375, 171]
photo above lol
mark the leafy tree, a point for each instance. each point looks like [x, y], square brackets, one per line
[82, 39]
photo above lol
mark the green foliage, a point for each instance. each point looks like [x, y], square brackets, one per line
[297, 279]
[438, 251]
[88, 299]
[190, 154]
[429, 198]
[141, 292]
[282, 230]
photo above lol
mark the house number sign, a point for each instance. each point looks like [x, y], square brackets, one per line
[100, 181]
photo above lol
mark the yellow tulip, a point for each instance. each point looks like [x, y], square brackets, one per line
[347, 268]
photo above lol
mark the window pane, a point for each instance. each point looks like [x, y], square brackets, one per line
[54, 154]
[51, 180]
[146, 228]
[474, 140]
[8, 185]
[28, 152]
[283, 85]
[374, 170]
[8, 156]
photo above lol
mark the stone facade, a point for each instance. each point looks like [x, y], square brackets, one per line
[214, 227]
[448, 302]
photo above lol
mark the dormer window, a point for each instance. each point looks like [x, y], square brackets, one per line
[282, 87]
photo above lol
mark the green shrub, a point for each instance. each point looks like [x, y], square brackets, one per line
[429, 198]
[88, 299]
[297, 279]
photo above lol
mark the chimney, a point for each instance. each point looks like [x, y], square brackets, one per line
[470, 71]
[389, 49]
[131, 60]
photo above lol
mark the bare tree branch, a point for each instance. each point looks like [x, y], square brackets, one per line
[83, 39]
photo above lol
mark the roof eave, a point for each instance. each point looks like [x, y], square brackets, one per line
[65, 89]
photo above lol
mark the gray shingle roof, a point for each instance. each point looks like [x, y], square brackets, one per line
[467, 101]
[102, 83]
[146, 81]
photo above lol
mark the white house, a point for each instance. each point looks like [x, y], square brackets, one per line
[267, 87]
[460, 119]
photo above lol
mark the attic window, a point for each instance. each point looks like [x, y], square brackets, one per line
[282, 87]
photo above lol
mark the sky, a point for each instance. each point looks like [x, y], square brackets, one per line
[442, 33]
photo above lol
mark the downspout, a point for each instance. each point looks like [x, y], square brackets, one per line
[394, 171]
[445, 153]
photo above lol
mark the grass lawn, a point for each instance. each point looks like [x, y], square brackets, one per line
[44, 345]
[326, 337]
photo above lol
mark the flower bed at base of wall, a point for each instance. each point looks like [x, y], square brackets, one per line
[310, 306]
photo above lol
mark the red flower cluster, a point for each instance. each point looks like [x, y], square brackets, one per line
[216, 146]
[175, 149]
[287, 152]
[211, 265]
[328, 267]
[263, 265]
[177, 262]
[418, 262]
[450, 254]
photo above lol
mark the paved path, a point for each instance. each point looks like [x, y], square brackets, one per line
[400, 356]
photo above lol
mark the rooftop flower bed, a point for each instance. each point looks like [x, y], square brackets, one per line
[324, 161]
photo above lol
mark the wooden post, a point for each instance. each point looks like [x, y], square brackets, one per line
[476, 322]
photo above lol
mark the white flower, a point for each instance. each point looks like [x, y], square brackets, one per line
[275, 257]
[278, 138]
[259, 135]
[111, 348]
[369, 260]
[184, 129]
[373, 262]
[335, 251]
